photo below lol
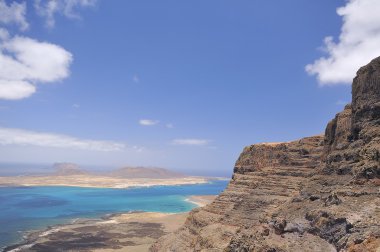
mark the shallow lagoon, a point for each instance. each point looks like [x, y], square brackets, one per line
[30, 208]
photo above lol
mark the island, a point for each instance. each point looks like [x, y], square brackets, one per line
[67, 174]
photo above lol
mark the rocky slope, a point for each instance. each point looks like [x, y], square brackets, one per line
[319, 193]
[145, 172]
[68, 169]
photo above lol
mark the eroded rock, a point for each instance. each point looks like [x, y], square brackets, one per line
[318, 193]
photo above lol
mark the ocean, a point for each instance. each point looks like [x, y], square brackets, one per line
[30, 208]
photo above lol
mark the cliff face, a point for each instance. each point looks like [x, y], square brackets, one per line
[319, 193]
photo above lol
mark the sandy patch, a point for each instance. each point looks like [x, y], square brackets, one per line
[201, 200]
[97, 181]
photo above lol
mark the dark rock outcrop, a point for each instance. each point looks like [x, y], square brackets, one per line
[352, 139]
[319, 193]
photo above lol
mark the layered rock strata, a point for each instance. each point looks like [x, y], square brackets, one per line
[319, 193]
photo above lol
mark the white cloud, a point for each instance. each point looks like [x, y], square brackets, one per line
[48, 9]
[15, 89]
[13, 13]
[9, 136]
[148, 122]
[190, 141]
[358, 43]
[24, 62]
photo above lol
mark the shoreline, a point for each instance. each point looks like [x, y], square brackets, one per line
[201, 200]
[95, 181]
[133, 231]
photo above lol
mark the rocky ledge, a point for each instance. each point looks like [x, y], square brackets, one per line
[320, 193]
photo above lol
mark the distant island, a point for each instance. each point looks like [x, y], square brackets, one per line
[69, 174]
[92, 215]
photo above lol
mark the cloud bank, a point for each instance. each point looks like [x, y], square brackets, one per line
[9, 136]
[25, 62]
[358, 43]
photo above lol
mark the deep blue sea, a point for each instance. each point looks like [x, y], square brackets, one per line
[30, 208]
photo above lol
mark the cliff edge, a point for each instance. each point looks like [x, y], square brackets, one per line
[319, 193]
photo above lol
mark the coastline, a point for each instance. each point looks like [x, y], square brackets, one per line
[201, 200]
[95, 181]
[133, 231]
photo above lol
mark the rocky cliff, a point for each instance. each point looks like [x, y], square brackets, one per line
[320, 193]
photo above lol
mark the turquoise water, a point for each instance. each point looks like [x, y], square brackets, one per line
[30, 208]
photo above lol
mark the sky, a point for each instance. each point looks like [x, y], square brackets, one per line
[184, 85]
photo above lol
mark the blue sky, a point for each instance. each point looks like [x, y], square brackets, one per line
[177, 84]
